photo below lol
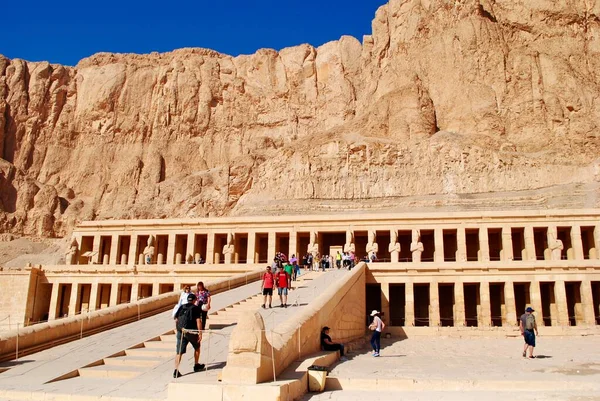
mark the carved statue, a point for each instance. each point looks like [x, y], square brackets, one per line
[71, 254]
[229, 247]
[394, 244]
[349, 245]
[313, 246]
[189, 259]
[554, 244]
[416, 246]
[372, 246]
[149, 250]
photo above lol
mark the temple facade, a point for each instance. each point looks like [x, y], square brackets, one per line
[432, 269]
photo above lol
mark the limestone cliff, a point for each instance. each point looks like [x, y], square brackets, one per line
[445, 98]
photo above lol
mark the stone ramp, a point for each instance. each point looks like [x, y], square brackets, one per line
[136, 361]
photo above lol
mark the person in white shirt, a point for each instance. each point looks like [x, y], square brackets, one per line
[377, 327]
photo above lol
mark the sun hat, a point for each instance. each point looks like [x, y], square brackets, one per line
[374, 312]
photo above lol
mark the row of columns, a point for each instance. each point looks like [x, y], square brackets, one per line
[560, 315]
[416, 247]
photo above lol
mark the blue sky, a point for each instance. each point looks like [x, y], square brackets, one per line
[65, 32]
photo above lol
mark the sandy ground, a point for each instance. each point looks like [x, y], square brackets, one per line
[567, 368]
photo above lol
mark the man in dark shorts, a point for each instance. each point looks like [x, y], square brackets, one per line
[328, 345]
[266, 287]
[528, 326]
[282, 281]
[188, 317]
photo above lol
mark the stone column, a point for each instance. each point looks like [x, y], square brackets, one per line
[132, 258]
[293, 245]
[251, 255]
[509, 304]
[459, 304]
[93, 297]
[385, 301]
[461, 242]
[409, 305]
[96, 248]
[434, 304]
[507, 249]
[535, 296]
[394, 246]
[484, 245]
[529, 243]
[439, 245]
[576, 243]
[114, 247]
[155, 289]
[73, 299]
[191, 245]
[210, 248]
[171, 249]
[560, 297]
[596, 253]
[271, 249]
[587, 302]
[53, 301]
[485, 307]
[135, 292]
[114, 294]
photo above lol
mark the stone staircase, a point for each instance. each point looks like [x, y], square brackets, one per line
[141, 358]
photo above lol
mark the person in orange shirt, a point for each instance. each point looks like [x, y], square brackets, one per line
[266, 287]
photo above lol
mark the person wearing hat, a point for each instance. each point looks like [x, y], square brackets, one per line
[188, 317]
[328, 345]
[377, 327]
[528, 326]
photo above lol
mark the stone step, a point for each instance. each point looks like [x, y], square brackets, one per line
[159, 344]
[110, 372]
[168, 338]
[133, 361]
[151, 352]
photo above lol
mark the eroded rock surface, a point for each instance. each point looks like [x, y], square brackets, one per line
[445, 98]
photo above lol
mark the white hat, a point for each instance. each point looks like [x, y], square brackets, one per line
[374, 312]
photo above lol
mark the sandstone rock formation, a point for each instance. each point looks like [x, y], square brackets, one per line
[445, 98]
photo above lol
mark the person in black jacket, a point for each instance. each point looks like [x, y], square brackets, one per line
[329, 345]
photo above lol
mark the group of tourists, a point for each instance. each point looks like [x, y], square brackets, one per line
[190, 315]
[280, 277]
[316, 262]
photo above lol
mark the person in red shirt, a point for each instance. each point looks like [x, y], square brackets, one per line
[282, 279]
[268, 280]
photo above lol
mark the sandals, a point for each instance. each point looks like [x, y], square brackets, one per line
[524, 354]
[532, 357]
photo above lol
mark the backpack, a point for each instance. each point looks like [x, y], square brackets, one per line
[529, 322]
[185, 319]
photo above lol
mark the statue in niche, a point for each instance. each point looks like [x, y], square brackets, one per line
[349, 245]
[416, 246]
[71, 254]
[554, 244]
[149, 251]
[372, 246]
[189, 260]
[394, 244]
[229, 247]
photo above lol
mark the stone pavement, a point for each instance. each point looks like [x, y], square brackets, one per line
[464, 369]
[31, 373]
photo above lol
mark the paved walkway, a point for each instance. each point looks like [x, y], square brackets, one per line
[32, 373]
[469, 369]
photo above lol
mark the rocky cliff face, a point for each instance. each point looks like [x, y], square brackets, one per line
[445, 98]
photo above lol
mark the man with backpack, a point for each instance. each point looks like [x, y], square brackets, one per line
[528, 325]
[188, 317]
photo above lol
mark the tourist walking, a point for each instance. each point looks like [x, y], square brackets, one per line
[328, 345]
[290, 271]
[203, 301]
[338, 260]
[182, 299]
[266, 286]
[529, 330]
[188, 320]
[282, 280]
[377, 327]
